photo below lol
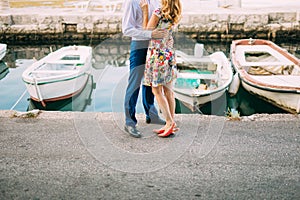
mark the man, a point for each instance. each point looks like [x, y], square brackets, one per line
[132, 27]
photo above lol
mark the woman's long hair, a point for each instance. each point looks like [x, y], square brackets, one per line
[171, 10]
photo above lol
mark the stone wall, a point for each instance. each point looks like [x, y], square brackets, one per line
[29, 27]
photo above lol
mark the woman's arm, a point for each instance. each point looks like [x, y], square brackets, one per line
[144, 7]
[151, 25]
[153, 22]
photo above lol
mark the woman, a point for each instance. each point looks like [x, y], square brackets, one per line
[160, 68]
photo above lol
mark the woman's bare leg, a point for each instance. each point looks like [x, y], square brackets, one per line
[163, 104]
[168, 90]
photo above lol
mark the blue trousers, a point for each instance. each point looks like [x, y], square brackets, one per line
[138, 53]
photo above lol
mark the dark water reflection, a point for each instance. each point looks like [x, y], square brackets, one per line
[98, 94]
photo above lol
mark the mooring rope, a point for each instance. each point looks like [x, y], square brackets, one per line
[18, 100]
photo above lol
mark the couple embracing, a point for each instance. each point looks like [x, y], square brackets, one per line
[152, 61]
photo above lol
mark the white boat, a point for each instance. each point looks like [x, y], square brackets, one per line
[59, 75]
[201, 79]
[3, 48]
[269, 71]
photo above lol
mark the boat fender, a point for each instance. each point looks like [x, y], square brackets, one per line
[298, 107]
[234, 85]
[198, 50]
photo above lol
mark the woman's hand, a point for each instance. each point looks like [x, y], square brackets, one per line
[144, 5]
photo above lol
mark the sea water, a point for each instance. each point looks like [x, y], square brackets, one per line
[107, 84]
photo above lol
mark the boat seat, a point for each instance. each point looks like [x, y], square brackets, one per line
[273, 70]
[57, 66]
[197, 76]
[185, 60]
[66, 62]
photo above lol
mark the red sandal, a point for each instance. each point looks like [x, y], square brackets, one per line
[168, 132]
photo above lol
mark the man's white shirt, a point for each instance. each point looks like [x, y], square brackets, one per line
[133, 18]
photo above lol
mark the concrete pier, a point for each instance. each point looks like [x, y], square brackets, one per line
[73, 155]
[201, 19]
[88, 155]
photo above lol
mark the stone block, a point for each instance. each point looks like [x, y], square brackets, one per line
[81, 28]
[44, 20]
[114, 27]
[223, 17]
[24, 19]
[248, 26]
[233, 27]
[89, 27]
[288, 26]
[283, 17]
[201, 19]
[113, 19]
[261, 18]
[237, 18]
[70, 19]
[85, 28]
[86, 19]
[5, 20]
[217, 27]
[23, 29]
[103, 27]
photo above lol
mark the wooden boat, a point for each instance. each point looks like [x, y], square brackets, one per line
[201, 79]
[59, 75]
[269, 71]
[3, 48]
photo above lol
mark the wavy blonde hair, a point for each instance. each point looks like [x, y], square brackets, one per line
[171, 10]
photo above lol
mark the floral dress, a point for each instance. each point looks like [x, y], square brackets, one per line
[160, 66]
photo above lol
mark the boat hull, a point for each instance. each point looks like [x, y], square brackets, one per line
[78, 102]
[288, 101]
[193, 101]
[50, 92]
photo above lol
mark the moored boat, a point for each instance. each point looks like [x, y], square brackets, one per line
[3, 48]
[268, 71]
[201, 78]
[59, 75]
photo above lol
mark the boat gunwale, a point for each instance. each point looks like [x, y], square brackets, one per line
[55, 81]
